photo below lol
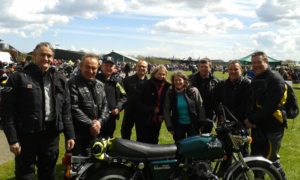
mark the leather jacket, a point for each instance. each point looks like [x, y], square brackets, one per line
[23, 104]
[267, 91]
[195, 107]
[115, 93]
[86, 105]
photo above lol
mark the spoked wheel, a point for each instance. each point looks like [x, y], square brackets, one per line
[260, 170]
[114, 173]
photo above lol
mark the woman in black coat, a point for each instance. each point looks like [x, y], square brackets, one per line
[150, 106]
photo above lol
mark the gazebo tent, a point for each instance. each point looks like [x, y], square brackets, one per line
[247, 60]
[118, 57]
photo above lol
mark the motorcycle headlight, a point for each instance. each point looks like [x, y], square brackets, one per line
[99, 149]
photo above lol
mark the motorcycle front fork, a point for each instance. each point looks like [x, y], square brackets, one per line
[138, 175]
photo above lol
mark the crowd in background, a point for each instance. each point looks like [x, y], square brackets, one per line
[70, 67]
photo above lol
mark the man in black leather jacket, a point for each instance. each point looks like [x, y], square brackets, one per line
[88, 104]
[115, 93]
[266, 119]
[36, 108]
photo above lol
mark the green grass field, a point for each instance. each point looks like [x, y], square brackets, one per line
[290, 150]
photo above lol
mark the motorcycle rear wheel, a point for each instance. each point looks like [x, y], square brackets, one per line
[113, 173]
[262, 170]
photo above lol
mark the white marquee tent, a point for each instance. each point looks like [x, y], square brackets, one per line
[5, 57]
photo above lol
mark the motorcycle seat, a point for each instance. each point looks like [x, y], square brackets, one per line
[133, 150]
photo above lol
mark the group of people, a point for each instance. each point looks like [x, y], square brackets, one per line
[38, 103]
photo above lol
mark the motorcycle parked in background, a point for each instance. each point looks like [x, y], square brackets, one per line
[195, 158]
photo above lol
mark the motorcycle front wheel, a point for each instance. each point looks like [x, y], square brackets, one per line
[113, 173]
[259, 170]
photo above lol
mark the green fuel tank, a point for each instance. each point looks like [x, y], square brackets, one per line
[201, 147]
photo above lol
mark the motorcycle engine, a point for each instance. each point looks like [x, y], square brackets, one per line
[201, 170]
[196, 170]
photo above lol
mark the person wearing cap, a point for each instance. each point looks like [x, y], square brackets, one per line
[88, 104]
[115, 93]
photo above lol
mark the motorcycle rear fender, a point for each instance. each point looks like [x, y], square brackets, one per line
[236, 165]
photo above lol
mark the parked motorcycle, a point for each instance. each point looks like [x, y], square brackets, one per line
[197, 157]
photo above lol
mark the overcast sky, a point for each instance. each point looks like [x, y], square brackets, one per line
[218, 29]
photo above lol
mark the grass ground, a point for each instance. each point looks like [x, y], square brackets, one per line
[290, 150]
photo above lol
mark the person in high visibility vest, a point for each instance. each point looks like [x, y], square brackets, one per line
[115, 93]
[266, 119]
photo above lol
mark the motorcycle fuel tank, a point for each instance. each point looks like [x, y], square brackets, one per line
[202, 147]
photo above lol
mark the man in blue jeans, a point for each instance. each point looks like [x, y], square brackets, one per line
[266, 119]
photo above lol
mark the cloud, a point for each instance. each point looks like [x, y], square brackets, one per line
[200, 4]
[207, 25]
[266, 39]
[33, 17]
[28, 18]
[83, 49]
[87, 8]
[287, 23]
[259, 25]
[275, 10]
[13, 31]
[191, 8]
[283, 44]
[180, 25]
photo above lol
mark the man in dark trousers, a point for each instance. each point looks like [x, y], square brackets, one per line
[36, 107]
[88, 104]
[115, 93]
[266, 118]
[131, 85]
[206, 83]
[127, 69]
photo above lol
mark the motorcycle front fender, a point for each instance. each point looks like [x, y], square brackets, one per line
[237, 165]
[81, 172]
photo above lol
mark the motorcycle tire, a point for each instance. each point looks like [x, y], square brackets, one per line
[258, 167]
[111, 173]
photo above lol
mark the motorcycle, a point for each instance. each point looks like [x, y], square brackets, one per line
[197, 157]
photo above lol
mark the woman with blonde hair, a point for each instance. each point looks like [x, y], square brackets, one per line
[183, 110]
[150, 106]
